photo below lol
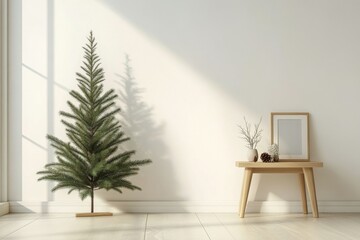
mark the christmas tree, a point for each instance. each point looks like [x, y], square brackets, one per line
[90, 159]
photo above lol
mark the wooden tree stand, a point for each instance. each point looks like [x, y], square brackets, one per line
[96, 214]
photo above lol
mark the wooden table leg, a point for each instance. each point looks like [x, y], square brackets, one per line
[303, 193]
[310, 183]
[245, 190]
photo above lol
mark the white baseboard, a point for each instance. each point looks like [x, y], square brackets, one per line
[124, 206]
[296, 206]
[179, 206]
[4, 208]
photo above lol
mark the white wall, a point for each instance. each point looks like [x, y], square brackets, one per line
[202, 66]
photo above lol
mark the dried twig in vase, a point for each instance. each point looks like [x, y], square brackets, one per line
[252, 140]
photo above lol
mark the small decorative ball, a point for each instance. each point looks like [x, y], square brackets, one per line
[265, 157]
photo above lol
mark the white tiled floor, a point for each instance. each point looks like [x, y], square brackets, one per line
[184, 226]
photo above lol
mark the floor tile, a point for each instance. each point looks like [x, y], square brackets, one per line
[127, 226]
[286, 226]
[13, 222]
[213, 227]
[174, 227]
[185, 226]
[20, 216]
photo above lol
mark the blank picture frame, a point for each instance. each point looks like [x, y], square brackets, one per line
[290, 131]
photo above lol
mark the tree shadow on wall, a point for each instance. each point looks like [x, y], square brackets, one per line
[157, 179]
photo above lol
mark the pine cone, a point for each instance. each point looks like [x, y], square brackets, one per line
[265, 157]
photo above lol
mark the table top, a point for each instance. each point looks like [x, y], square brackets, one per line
[307, 164]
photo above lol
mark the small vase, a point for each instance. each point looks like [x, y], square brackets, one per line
[273, 150]
[252, 155]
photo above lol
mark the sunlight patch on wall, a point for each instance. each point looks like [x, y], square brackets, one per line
[199, 119]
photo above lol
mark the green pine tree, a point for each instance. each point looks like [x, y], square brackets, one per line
[89, 160]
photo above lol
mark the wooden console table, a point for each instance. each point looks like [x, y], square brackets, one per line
[304, 169]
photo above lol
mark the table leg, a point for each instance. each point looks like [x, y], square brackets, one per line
[310, 183]
[245, 190]
[303, 193]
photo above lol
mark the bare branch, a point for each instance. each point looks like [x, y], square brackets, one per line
[251, 139]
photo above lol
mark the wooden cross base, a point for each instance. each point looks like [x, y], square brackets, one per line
[96, 214]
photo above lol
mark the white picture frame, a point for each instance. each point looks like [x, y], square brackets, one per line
[290, 131]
